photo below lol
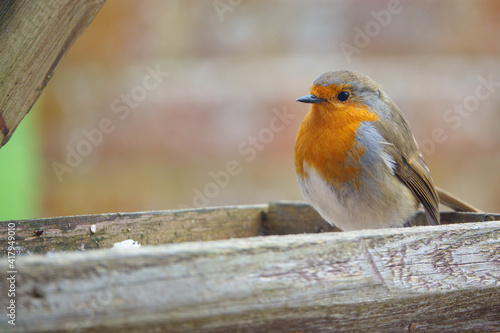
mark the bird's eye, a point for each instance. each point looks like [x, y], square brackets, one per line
[343, 96]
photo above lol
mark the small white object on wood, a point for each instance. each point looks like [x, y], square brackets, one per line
[127, 244]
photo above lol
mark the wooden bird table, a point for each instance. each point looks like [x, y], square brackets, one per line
[275, 267]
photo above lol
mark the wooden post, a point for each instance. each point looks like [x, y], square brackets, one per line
[34, 35]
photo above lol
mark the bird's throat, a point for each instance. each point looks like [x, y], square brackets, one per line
[327, 142]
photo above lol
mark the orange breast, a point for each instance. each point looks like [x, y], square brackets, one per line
[326, 142]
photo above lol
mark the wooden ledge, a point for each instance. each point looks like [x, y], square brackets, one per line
[427, 279]
[72, 233]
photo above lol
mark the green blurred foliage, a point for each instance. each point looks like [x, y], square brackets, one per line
[20, 162]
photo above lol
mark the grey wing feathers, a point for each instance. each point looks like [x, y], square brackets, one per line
[418, 180]
[410, 167]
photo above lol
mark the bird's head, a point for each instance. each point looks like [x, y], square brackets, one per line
[343, 89]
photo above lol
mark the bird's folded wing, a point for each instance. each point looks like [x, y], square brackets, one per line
[415, 176]
[410, 168]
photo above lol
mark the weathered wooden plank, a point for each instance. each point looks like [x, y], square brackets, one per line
[435, 279]
[288, 217]
[34, 35]
[148, 228]
[160, 227]
[285, 218]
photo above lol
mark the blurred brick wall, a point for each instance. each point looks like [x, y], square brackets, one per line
[157, 141]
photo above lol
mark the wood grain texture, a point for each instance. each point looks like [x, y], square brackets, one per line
[71, 233]
[435, 279]
[285, 217]
[34, 35]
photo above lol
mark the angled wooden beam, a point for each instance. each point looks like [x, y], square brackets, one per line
[34, 35]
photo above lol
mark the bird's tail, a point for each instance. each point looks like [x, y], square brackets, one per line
[447, 199]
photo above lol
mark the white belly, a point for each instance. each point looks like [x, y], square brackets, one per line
[372, 207]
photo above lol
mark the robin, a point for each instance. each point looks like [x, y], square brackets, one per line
[357, 161]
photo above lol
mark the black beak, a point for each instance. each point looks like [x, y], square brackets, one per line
[310, 99]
